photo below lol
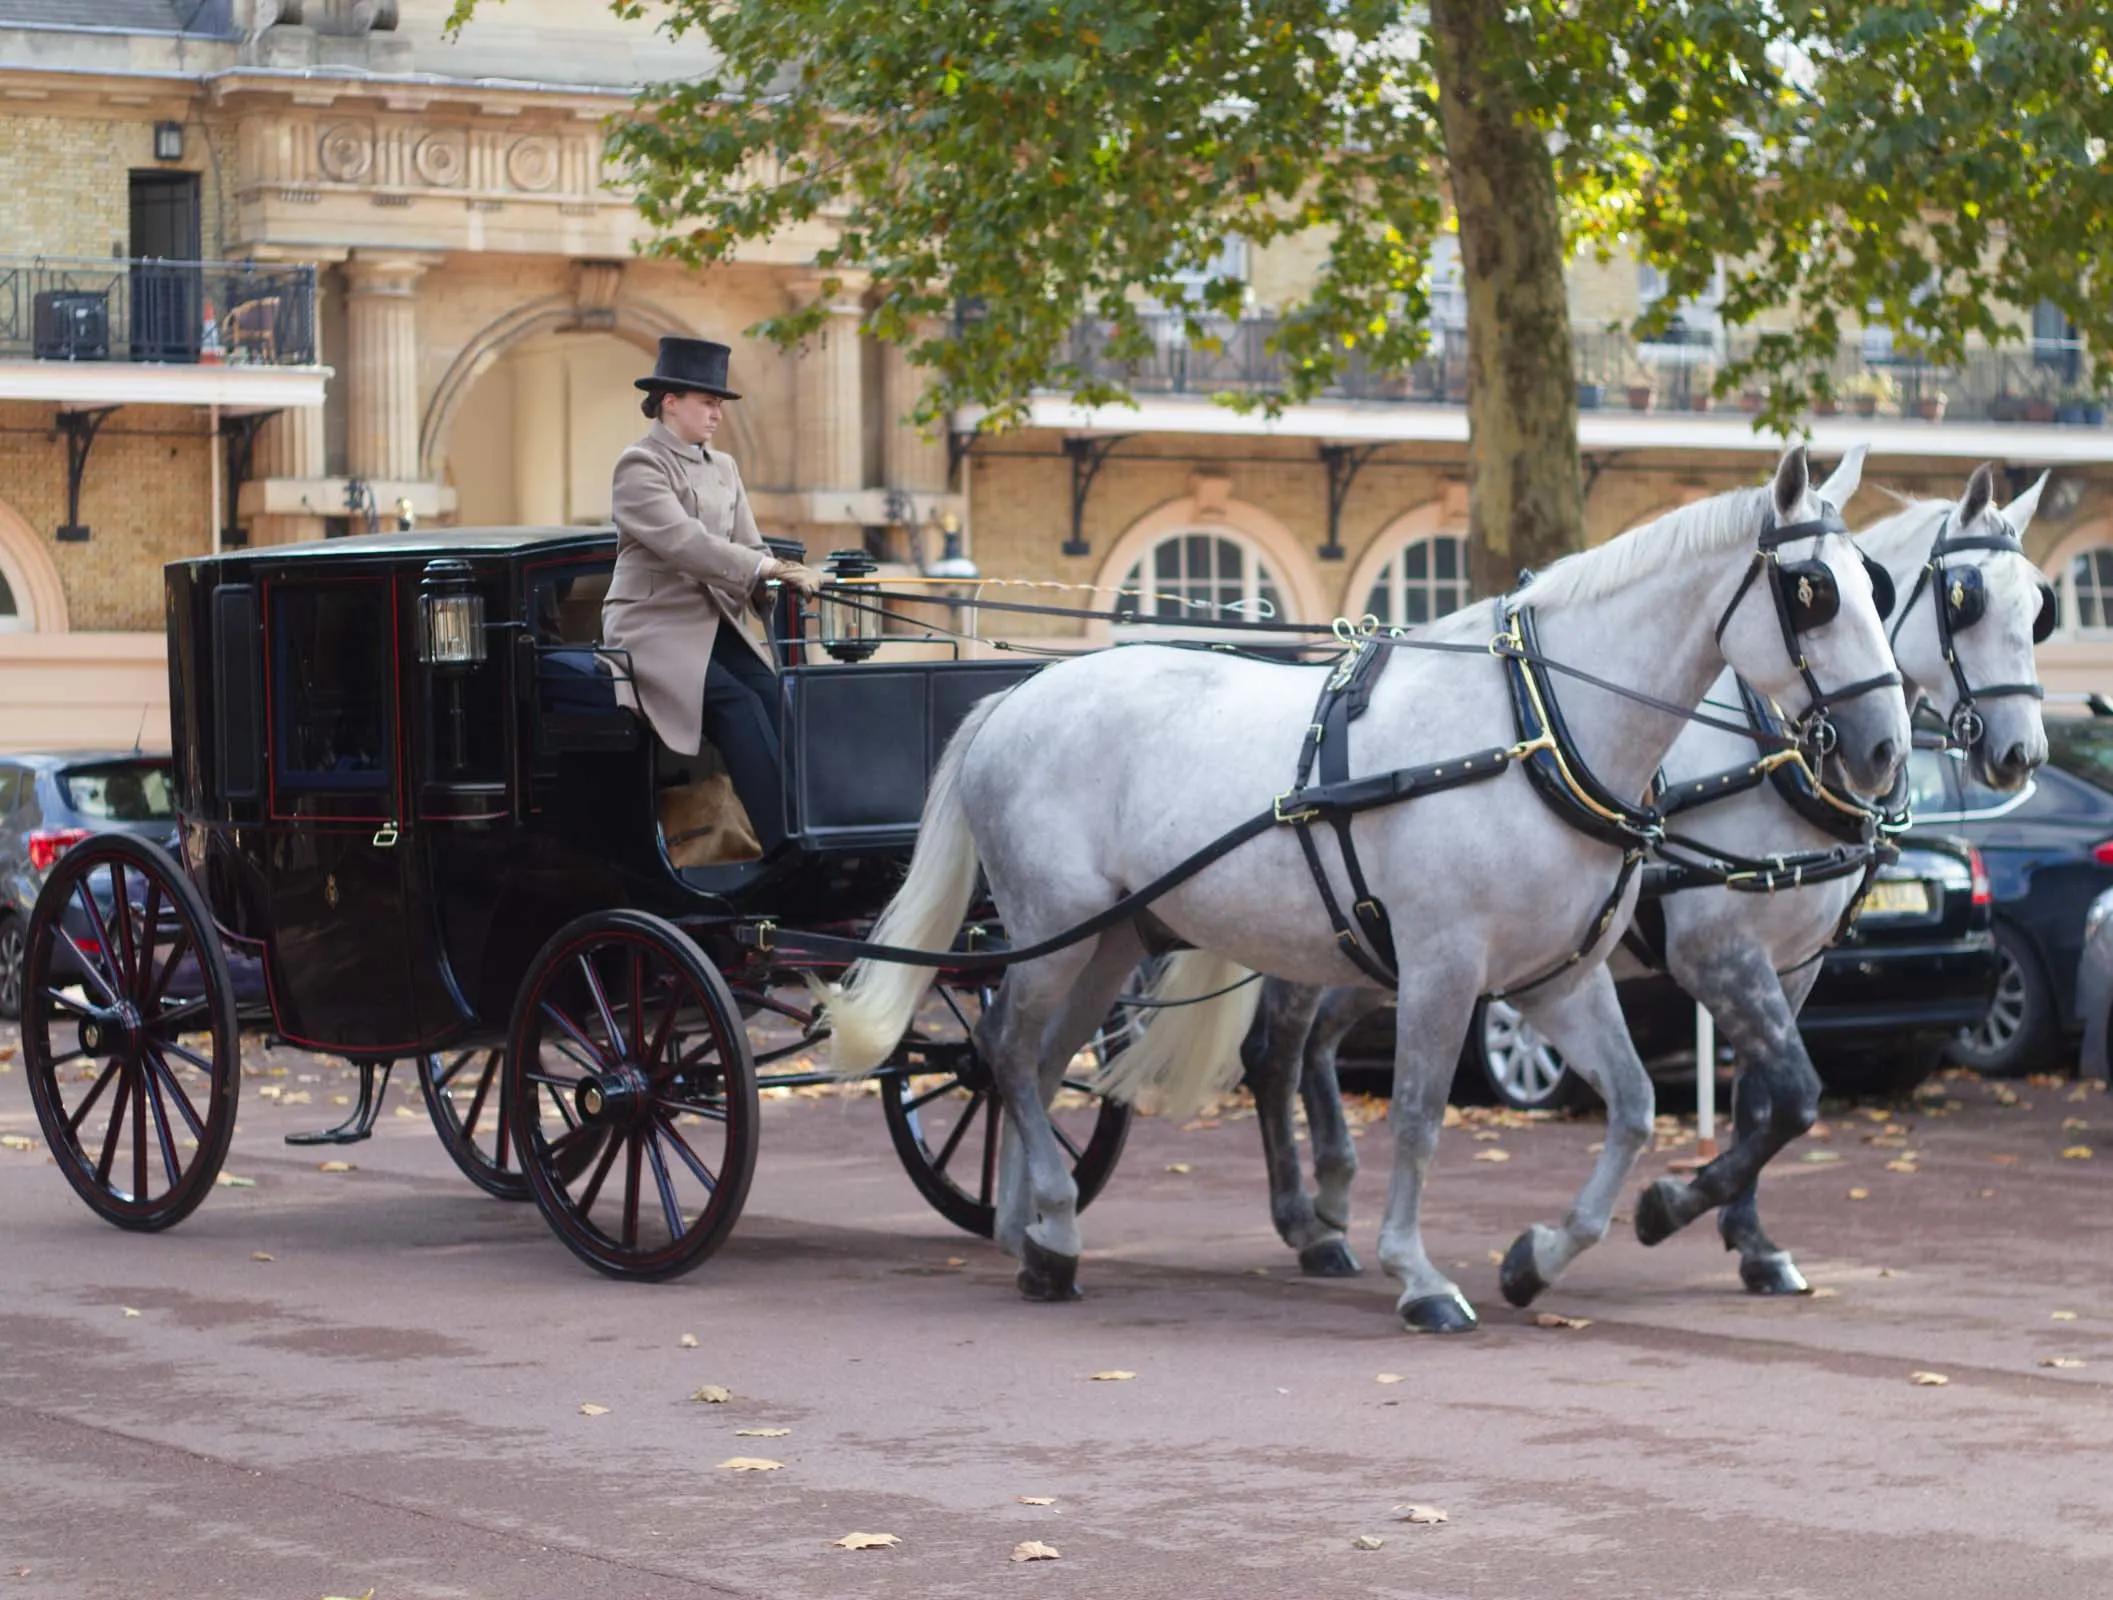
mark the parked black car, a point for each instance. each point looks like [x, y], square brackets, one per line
[2049, 850]
[49, 803]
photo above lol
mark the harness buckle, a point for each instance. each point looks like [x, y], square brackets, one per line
[763, 931]
[1297, 815]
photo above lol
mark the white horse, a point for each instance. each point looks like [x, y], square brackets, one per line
[1101, 774]
[1751, 958]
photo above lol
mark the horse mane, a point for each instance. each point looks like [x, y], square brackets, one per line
[1717, 523]
[1911, 520]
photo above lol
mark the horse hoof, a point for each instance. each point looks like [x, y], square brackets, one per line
[1439, 1313]
[1331, 1258]
[1045, 1275]
[1772, 1274]
[1658, 1212]
[1519, 1278]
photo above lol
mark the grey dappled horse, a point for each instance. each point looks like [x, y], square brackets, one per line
[1750, 958]
[1101, 773]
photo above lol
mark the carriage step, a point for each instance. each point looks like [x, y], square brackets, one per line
[360, 1125]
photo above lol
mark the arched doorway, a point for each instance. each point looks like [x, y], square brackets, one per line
[32, 600]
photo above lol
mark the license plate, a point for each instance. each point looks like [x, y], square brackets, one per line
[1908, 897]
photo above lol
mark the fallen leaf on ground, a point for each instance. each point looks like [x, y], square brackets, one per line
[1496, 1258]
[1179, 1166]
[1036, 1499]
[227, 1180]
[1492, 1155]
[1199, 1124]
[713, 1395]
[2004, 1161]
[337, 1166]
[1487, 1136]
[262, 1255]
[2075, 1125]
[1034, 1550]
[2077, 1152]
[1113, 1375]
[957, 1261]
[590, 1409]
[1814, 1157]
[341, 1099]
[868, 1541]
[1902, 1166]
[1825, 1294]
[749, 1464]
[761, 1433]
[17, 1141]
[1388, 1377]
[2062, 1316]
[1928, 1380]
[1427, 1515]
[1367, 1541]
[1555, 1319]
[1859, 1194]
[405, 1111]
[128, 1311]
[369, 1595]
[2065, 1363]
[688, 1341]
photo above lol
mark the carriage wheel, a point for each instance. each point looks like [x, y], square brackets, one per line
[129, 1032]
[465, 1095]
[637, 1118]
[945, 1117]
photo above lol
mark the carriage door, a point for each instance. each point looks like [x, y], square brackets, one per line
[339, 949]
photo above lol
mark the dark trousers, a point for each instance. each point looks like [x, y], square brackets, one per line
[741, 723]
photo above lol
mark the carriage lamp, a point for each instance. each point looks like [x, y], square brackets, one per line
[850, 632]
[450, 617]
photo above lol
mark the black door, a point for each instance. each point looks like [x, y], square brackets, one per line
[339, 952]
[167, 307]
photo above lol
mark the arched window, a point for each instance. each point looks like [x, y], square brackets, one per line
[1421, 582]
[2087, 597]
[1207, 576]
[11, 618]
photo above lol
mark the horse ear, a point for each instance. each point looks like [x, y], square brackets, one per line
[1980, 489]
[1793, 478]
[2019, 512]
[1841, 487]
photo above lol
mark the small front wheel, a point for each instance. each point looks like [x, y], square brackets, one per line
[631, 1095]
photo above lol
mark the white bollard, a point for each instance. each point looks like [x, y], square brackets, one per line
[1705, 1083]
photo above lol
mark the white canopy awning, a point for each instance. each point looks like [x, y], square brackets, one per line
[138, 383]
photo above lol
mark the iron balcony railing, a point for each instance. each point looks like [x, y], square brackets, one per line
[54, 308]
[2040, 380]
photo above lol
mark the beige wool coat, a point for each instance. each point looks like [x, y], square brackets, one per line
[688, 561]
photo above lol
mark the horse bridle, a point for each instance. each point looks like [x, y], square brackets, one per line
[1961, 596]
[1806, 597]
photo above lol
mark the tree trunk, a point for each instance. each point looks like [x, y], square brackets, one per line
[1525, 504]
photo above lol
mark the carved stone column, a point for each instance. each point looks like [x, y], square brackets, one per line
[829, 451]
[541, 443]
[381, 365]
[910, 461]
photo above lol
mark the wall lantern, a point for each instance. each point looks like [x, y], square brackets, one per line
[952, 563]
[850, 632]
[450, 617]
[168, 141]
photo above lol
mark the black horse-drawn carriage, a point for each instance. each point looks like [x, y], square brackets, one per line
[414, 810]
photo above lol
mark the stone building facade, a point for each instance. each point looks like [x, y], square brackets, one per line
[479, 310]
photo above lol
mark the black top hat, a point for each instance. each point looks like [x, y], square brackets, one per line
[692, 364]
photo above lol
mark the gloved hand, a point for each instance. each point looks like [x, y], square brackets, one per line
[803, 578]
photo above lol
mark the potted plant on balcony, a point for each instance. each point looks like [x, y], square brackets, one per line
[1591, 396]
[1929, 405]
[1867, 391]
[2005, 407]
[1640, 392]
[2080, 408]
[1826, 405]
[1701, 378]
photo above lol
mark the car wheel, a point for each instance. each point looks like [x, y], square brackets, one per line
[10, 968]
[2018, 1032]
[1516, 1066]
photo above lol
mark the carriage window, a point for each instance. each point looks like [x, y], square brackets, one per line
[1424, 581]
[332, 673]
[567, 605]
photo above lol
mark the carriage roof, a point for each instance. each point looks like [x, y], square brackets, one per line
[423, 545]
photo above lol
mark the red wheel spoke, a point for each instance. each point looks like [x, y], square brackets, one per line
[638, 1005]
[555, 1085]
[139, 1133]
[90, 969]
[506, 1140]
[930, 1095]
[128, 951]
[690, 1158]
[117, 1123]
[95, 1093]
[179, 947]
[993, 1131]
[108, 964]
[160, 1069]
[442, 1079]
[1064, 1139]
[669, 1210]
[632, 1173]
[559, 1147]
[597, 1061]
[594, 1184]
[169, 1163]
[665, 1032]
[953, 1139]
[694, 1108]
[177, 1014]
[484, 1086]
[73, 1008]
[601, 1003]
[192, 1057]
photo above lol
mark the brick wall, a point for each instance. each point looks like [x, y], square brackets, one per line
[65, 182]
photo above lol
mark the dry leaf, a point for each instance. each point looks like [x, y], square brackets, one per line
[749, 1464]
[1825, 1294]
[590, 1409]
[1036, 1499]
[337, 1166]
[1492, 1155]
[1388, 1377]
[761, 1433]
[2075, 1125]
[1427, 1515]
[1180, 1167]
[1928, 1380]
[1034, 1550]
[2065, 1363]
[1496, 1258]
[1815, 1157]
[2062, 1316]
[262, 1255]
[1366, 1541]
[227, 1180]
[1487, 1136]
[868, 1541]
[1113, 1375]
[17, 1141]
[1902, 1166]
[957, 1261]
[128, 1311]
[713, 1395]
[369, 1595]
[1859, 1194]
[405, 1111]
[688, 1341]
[1555, 1319]
[2077, 1152]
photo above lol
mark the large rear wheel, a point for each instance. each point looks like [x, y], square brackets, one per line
[632, 1095]
[129, 1033]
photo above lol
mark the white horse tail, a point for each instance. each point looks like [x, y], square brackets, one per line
[871, 1009]
[1186, 1056]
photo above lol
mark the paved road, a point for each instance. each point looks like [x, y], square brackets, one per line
[393, 1401]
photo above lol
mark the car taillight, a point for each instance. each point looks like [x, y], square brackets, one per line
[2102, 852]
[46, 845]
[1984, 892]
